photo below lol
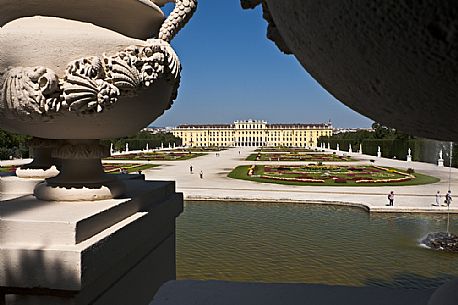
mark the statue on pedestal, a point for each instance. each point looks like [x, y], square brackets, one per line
[440, 161]
[409, 155]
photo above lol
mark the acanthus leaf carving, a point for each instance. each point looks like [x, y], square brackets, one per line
[90, 85]
[29, 92]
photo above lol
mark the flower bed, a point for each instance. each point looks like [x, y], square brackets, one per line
[286, 149]
[112, 168]
[108, 167]
[157, 156]
[315, 157]
[8, 169]
[329, 175]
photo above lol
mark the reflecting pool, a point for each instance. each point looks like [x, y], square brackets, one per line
[271, 242]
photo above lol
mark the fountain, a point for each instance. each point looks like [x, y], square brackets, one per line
[441, 241]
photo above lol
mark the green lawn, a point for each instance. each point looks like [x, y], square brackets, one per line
[201, 149]
[286, 149]
[241, 172]
[130, 167]
[108, 167]
[7, 169]
[299, 157]
[157, 156]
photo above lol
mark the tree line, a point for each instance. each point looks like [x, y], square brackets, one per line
[393, 144]
[13, 146]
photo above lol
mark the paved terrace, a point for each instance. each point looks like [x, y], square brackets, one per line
[215, 184]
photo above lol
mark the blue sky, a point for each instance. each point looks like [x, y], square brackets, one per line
[231, 71]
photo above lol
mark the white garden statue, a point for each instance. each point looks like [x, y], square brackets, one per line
[440, 161]
[409, 155]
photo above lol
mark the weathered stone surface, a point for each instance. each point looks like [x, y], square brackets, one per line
[393, 61]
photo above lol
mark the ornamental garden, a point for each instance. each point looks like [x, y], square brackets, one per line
[330, 175]
[285, 149]
[110, 168]
[311, 157]
[157, 156]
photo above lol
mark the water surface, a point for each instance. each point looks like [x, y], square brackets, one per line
[271, 242]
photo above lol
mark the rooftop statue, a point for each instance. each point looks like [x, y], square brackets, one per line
[80, 71]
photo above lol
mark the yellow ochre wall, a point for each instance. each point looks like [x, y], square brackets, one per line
[252, 133]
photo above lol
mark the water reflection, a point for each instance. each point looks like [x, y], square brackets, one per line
[309, 244]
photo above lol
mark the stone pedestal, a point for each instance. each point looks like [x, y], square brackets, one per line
[12, 185]
[409, 158]
[116, 251]
[440, 162]
[379, 154]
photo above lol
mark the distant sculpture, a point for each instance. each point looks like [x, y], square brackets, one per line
[360, 148]
[379, 152]
[409, 155]
[440, 161]
[337, 148]
[127, 147]
[349, 148]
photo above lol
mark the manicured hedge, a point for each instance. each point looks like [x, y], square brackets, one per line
[424, 150]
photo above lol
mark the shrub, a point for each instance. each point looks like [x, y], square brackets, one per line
[340, 180]
[319, 163]
[410, 170]
[372, 160]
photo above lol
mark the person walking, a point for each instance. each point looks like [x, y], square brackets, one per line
[201, 174]
[448, 198]
[390, 199]
[438, 199]
[190, 169]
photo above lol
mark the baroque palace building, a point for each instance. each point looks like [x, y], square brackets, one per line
[252, 133]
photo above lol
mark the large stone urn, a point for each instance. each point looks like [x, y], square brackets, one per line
[80, 71]
[394, 61]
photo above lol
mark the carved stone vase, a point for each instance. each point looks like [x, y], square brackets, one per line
[81, 71]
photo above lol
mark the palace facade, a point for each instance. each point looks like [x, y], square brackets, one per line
[252, 133]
